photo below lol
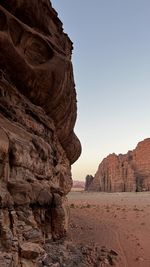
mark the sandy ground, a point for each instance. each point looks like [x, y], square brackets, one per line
[117, 221]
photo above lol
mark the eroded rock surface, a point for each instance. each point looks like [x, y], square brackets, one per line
[124, 173]
[88, 181]
[36, 54]
[37, 142]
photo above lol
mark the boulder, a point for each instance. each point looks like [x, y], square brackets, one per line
[30, 250]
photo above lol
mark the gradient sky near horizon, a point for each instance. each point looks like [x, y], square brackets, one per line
[111, 61]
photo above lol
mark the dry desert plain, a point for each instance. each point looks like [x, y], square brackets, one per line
[117, 221]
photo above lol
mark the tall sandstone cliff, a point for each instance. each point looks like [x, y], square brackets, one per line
[37, 142]
[124, 173]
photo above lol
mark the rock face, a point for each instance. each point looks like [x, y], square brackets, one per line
[88, 181]
[124, 173]
[37, 142]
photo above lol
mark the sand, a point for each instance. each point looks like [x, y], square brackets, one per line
[117, 221]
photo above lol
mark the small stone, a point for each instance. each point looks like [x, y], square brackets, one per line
[114, 253]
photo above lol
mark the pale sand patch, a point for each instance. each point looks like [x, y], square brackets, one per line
[118, 221]
[77, 189]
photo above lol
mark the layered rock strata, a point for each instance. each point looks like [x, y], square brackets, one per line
[124, 173]
[37, 142]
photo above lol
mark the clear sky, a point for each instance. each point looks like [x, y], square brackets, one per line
[111, 61]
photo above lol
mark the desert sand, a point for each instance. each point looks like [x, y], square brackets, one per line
[117, 221]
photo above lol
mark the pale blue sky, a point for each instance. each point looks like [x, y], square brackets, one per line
[111, 61]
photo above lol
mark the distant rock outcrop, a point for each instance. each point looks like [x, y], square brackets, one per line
[37, 141]
[88, 181]
[124, 173]
[78, 184]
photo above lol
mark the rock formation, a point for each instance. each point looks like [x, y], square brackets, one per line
[124, 173]
[88, 181]
[37, 142]
[78, 184]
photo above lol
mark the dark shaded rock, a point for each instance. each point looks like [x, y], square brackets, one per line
[88, 181]
[68, 255]
[36, 55]
[37, 141]
[60, 215]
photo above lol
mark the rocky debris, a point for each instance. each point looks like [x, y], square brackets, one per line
[37, 140]
[124, 173]
[88, 181]
[65, 254]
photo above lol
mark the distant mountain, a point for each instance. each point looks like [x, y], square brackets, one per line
[78, 184]
[123, 173]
